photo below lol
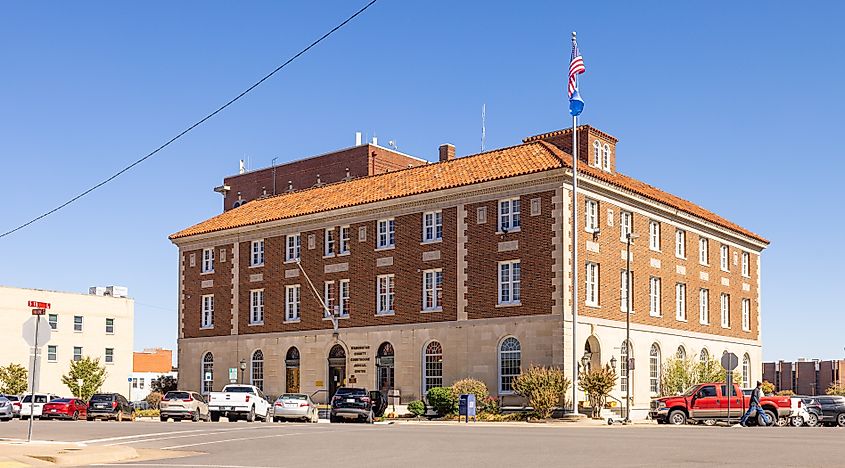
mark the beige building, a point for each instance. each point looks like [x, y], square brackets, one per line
[96, 325]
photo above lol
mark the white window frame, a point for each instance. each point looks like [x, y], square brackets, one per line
[54, 324]
[746, 315]
[329, 299]
[625, 352]
[52, 353]
[704, 306]
[432, 377]
[207, 311]
[432, 298]
[724, 258]
[509, 274]
[681, 302]
[293, 247]
[344, 237]
[512, 355]
[257, 253]
[626, 225]
[109, 332]
[680, 243]
[432, 226]
[623, 290]
[256, 306]
[654, 235]
[654, 299]
[386, 233]
[208, 260]
[606, 157]
[293, 303]
[746, 370]
[343, 298]
[329, 245]
[509, 215]
[725, 310]
[654, 369]
[746, 262]
[703, 251]
[596, 154]
[591, 215]
[80, 325]
[385, 294]
[109, 357]
[78, 357]
[591, 280]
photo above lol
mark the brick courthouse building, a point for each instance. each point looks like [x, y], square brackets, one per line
[460, 268]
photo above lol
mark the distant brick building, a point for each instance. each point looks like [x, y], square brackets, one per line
[805, 377]
[463, 268]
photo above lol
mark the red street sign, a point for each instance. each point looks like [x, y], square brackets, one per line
[39, 305]
[38, 311]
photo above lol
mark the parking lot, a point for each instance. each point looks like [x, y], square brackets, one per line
[244, 444]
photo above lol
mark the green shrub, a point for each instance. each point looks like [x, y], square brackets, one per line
[416, 407]
[150, 413]
[597, 384]
[442, 400]
[153, 399]
[785, 393]
[543, 387]
[768, 388]
[479, 389]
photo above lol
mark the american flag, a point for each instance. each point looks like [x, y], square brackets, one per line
[576, 67]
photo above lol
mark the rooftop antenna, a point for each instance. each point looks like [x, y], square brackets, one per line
[273, 163]
[483, 125]
[392, 144]
[242, 167]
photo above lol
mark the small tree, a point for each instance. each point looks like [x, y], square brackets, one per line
[475, 387]
[597, 384]
[767, 387]
[90, 372]
[13, 379]
[164, 384]
[153, 399]
[785, 393]
[417, 408]
[835, 389]
[543, 387]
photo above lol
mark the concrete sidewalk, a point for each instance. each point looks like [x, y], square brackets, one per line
[15, 453]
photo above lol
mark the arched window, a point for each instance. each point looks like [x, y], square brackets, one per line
[746, 371]
[257, 376]
[682, 353]
[432, 366]
[704, 356]
[292, 370]
[654, 369]
[606, 157]
[207, 373]
[597, 154]
[623, 365]
[510, 362]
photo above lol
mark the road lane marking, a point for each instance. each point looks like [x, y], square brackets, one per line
[168, 436]
[109, 439]
[173, 447]
[191, 465]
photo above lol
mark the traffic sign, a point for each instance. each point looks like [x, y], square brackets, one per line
[38, 305]
[44, 331]
[233, 374]
[39, 311]
[207, 376]
[729, 361]
[130, 379]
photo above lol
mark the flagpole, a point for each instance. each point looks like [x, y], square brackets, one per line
[574, 256]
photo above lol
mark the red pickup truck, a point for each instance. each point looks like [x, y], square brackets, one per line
[709, 401]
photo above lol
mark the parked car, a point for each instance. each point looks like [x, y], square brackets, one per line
[110, 406]
[34, 407]
[7, 413]
[814, 411]
[180, 404]
[239, 401]
[709, 401]
[799, 414]
[295, 406]
[351, 403]
[16, 404]
[832, 410]
[65, 408]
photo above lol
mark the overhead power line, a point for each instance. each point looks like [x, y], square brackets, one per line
[195, 125]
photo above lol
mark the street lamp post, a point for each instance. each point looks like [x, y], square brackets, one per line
[629, 237]
[243, 369]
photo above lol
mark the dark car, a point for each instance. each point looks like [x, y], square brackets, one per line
[379, 402]
[110, 406]
[351, 403]
[65, 408]
[832, 410]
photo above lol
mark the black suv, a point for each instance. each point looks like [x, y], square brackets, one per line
[110, 406]
[833, 410]
[351, 403]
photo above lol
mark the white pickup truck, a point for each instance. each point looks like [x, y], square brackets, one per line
[238, 401]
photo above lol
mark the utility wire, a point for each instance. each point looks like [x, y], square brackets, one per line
[195, 125]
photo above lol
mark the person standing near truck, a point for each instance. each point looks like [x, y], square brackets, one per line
[754, 406]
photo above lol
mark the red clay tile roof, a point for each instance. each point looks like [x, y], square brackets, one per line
[528, 158]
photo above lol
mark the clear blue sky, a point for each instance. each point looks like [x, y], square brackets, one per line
[733, 106]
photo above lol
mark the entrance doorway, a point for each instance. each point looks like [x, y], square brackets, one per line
[384, 368]
[337, 369]
[292, 370]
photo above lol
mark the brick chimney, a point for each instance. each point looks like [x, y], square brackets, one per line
[447, 152]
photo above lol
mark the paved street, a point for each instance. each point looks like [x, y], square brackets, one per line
[425, 445]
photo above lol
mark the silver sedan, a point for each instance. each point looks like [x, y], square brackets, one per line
[295, 406]
[6, 409]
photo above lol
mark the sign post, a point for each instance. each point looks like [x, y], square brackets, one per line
[38, 311]
[729, 363]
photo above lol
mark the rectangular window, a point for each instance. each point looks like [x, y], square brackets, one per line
[77, 323]
[745, 264]
[344, 297]
[725, 309]
[746, 314]
[704, 306]
[591, 297]
[53, 319]
[509, 215]
[626, 225]
[207, 320]
[432, 226]
[257, 258]
[623, 289]
[329, 298]
[386, 233]
[344, 239]
[654, 235]
[208, 260]
[433, 289]
[52, 353]
[703, 251]
[509, 282]
[680, 243]
[591, 214]
[77, 353]
[292, 303]
[110, 326]
[141, 383]
[293, 249]
[256, 307]
[110, 356]
[385, 292]
[329, 242]
[654, 296]
[681, 302]
[723, 258]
